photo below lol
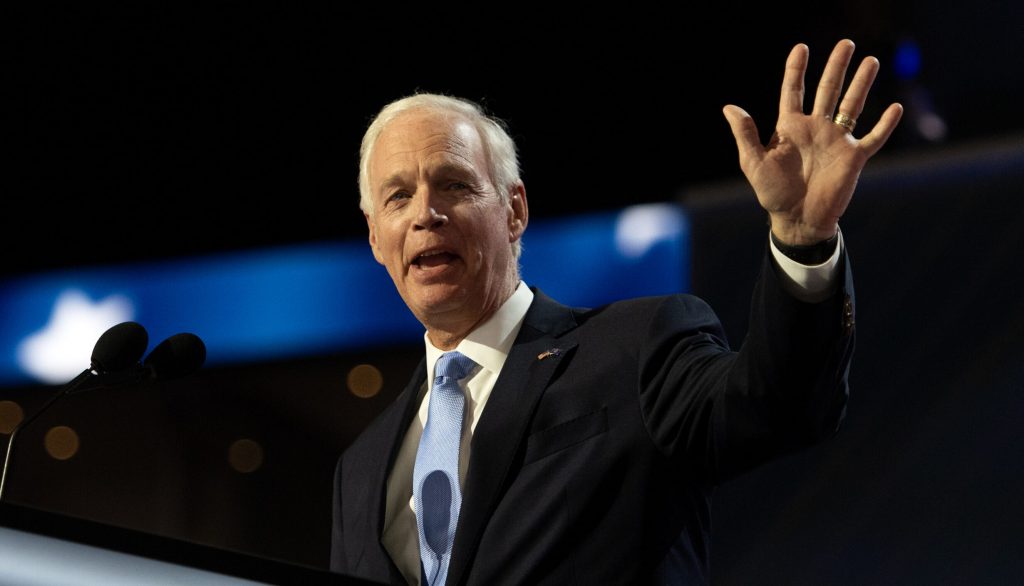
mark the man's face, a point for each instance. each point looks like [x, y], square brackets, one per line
[439, 225]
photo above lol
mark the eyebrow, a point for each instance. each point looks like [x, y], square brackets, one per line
[400, 178]
[393, 180]
[451, 168]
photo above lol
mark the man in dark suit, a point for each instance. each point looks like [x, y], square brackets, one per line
[562, 445]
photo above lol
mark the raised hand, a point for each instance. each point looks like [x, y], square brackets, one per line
[806, 174]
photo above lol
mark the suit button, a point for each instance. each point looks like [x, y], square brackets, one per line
[848, 321]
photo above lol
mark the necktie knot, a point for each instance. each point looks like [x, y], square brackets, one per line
[453, 366]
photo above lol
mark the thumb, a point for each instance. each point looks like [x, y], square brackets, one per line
[744, 131]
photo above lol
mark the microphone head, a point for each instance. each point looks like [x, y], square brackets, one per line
[177, 356]
[120, 347]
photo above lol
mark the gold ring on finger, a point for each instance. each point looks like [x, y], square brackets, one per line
[845, 121]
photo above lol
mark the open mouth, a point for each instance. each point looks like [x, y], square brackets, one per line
[434, 258]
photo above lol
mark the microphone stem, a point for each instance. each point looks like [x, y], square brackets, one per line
[78, 380]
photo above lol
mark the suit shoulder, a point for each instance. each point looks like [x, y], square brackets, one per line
[637, 320]
[683, 304]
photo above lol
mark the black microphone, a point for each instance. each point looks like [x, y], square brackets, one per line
[177, 356]
[116, 351]
[120, 347]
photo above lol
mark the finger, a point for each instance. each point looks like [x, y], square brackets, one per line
[792, 99]
[874, 140]
[748, 143]
[857, 94]
[831, 83]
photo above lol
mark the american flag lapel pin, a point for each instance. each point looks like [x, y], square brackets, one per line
[551, 352]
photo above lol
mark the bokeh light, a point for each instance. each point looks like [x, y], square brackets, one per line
[365, 381]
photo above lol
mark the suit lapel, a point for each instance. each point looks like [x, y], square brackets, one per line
[392, 431]
[542, 343]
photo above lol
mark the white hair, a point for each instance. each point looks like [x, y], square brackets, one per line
[499, 148]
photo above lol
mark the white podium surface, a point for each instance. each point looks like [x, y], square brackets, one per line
[27, 559]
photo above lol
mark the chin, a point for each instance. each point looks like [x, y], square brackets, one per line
[438, 299]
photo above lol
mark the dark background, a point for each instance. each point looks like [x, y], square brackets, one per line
[159, 131]
[139, 130]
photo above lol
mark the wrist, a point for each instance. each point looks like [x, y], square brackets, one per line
[796, 234]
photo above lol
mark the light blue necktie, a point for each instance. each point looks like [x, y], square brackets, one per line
[435, 477]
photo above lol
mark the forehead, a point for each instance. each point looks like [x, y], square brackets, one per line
[419, 138]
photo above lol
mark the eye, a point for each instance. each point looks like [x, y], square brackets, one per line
[397, 196]
[458, 185]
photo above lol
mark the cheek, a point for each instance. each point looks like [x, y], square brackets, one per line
[491, 245]
[389, 245]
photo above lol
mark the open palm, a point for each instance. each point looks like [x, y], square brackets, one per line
[806, 174]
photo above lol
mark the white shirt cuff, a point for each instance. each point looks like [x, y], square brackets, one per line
[810, 283]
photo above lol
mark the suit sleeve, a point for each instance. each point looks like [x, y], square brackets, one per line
[721, 413]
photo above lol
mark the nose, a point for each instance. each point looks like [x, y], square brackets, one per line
[428, 214]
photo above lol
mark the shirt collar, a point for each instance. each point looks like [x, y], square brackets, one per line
[489, 344]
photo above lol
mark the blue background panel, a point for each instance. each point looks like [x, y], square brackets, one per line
[309, 299]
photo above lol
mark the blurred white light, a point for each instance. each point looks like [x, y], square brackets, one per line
[63, 348]
[641, 227]
[931, 126]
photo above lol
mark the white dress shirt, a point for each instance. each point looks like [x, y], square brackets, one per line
[488, 346]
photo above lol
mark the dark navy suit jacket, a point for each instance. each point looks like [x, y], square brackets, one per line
[605, 434]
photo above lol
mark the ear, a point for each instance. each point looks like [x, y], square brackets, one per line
[518, 213]
[372, 226]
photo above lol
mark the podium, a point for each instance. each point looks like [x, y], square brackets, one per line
[40, 547]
